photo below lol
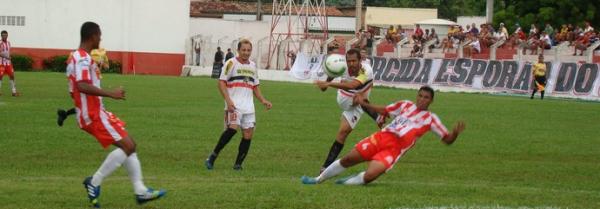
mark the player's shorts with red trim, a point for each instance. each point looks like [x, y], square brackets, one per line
[107, 129]
[7, 69]
[384, 147]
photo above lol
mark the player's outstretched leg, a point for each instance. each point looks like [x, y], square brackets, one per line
[335, 168]
[374, 170]
[223, 140]
[110, 164]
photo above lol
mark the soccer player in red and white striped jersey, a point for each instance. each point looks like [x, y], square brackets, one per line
[6, 66]
[383, 149]
[84, 85]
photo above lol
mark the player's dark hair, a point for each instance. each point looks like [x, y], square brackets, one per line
[354, 51]
[89, 29]
[244, 41]
[427, 89]
[3, 32]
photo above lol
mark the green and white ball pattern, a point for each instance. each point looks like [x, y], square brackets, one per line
[335, 65]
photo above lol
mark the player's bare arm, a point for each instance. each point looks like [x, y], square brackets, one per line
[87, 88]
[225, 94]
[259, 96]
[359, 99]
[458, 128]
[329, 79]
[343, 85]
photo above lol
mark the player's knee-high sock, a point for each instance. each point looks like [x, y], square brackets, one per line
[242, 151]
[12, 86]
[225, 138]
[542, 94]
[533, 93]
[134, 169]
[356, 180]
[71, 111]
[332, 170]
[110, 164]
[334, 151]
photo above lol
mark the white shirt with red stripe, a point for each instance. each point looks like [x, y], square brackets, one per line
[241, 79]
[82, 68]
[364, 76]
[4, 48]
[410, 123]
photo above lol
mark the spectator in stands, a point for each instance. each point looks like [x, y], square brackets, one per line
[472, 45]
[391, 34]
[533, 30]
[417, 50]
[532, 44]
[545, 42]
[219, 57]
[197, 49]
[562, 34]
[418, 36]
[588, 27]
[582, 43]
[474, 30]
[549, 30]
[503, 32]
[447, 42]
[574, 34]
[229, 54]
[433, 36]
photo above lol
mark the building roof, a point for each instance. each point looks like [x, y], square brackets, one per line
[216, 8]
[436, 22]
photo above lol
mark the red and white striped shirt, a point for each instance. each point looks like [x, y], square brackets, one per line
[82, 68]
[410, 123]
[4, 48]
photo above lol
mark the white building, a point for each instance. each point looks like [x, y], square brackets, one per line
[146, 36]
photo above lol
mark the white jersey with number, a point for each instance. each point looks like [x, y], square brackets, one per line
[241, 79]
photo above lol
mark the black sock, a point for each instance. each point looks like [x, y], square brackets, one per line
[542, 94]
[335, 150]
[71, 111]
[533, 93]
[242, 151]
[225, 138]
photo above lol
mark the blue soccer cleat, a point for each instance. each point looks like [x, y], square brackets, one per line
[309, 180]
[150, 195]
[92, 191]
[209, 165]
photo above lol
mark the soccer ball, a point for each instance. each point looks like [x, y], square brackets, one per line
[335, 65]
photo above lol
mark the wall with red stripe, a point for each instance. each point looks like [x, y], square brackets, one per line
[131, 62]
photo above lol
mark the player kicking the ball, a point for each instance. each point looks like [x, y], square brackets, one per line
[357, 81]
[237, 83]
[87, 94]
[383, 149]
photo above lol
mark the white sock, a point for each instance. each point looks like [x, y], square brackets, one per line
[112, 162]
[356, 180]
[332, 170]
[12, 85]
[134, 168]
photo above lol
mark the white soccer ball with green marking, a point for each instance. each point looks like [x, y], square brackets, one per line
[335, 65]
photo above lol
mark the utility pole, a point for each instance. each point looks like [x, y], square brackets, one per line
[358, 15]
[259, 11]
[489, 11]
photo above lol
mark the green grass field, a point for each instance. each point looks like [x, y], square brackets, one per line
[514, 153]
